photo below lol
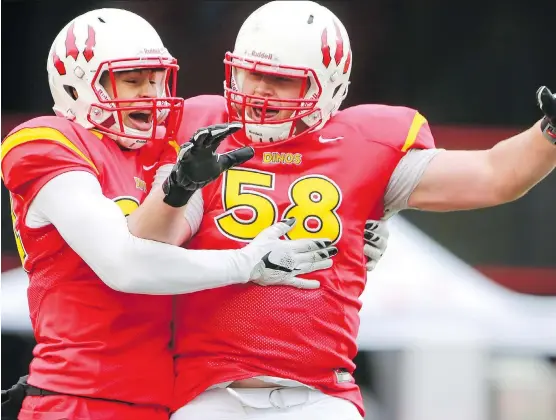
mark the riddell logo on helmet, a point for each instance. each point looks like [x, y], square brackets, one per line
[153, 51]
[260, 54]
[102, 94]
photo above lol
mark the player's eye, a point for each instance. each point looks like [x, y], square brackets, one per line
[284, 79]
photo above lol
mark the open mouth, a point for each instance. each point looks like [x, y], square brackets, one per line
[141, 120]
[257, 112]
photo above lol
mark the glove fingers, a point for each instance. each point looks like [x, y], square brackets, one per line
[378, 227]
[277, 229]
[314, 256]
[185, 149]
[547, 102]
[220, 132]
[303, 283]
[305, 268]
[213, 135]
[307, 245]
[375, 240]
[372, 253]
[371, 225]
[371, 265]
[382, 230]
[200, 137]
[235, 157]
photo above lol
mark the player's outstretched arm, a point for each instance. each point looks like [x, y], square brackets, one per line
[97, 231]
[458, 180]
[161, 216]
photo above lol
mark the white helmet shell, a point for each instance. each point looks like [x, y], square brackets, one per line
[296, 39]
[110, 40]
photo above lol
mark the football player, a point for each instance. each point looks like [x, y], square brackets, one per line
[285, 81]
[264, 352]
[102, 339]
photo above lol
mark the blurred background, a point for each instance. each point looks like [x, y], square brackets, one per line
[472, 68]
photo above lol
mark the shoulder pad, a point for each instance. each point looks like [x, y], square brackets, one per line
[399, 127]
[41, 148]
[199, 112]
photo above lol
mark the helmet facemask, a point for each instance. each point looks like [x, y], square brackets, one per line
[258, 113]
[163, 112]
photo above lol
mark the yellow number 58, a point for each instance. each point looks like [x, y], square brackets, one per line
[314, 200]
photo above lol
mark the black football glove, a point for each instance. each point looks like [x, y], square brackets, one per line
[547, 103]
[198, 163]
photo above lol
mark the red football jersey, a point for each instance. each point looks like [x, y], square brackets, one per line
[91, 339]
[332, 181]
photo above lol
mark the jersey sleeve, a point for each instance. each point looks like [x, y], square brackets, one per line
[405, 178]
[407, 135]
[398, 127]
[32, 156]
[419, 135]
[417, 150]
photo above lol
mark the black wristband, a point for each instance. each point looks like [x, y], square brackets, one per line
[174, 195]
[548, 130]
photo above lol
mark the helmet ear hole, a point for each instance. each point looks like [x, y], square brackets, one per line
[71, 91]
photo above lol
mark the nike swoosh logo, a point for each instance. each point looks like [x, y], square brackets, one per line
[148, 168]
[323, 140]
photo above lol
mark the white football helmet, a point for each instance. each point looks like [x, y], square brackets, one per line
[112, 40]
[299, 39]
